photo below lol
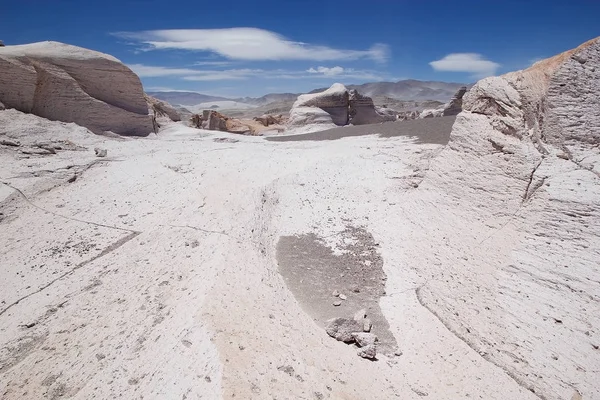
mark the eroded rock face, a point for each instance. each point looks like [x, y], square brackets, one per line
[523, 170]
[454, 107]
[72, 84]
[340, 106]
[161, 108]
[361, 110]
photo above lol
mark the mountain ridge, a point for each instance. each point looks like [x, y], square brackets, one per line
[408, 89]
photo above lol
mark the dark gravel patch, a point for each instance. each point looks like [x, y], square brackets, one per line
[429, 130]
[313, 272]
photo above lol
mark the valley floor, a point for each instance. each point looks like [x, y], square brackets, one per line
[154, 273]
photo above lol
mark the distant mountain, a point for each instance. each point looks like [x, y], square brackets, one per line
[185, 98]
[268, 98]
[409, 89]
[405, 90]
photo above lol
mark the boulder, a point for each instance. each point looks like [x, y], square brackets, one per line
[336, 106]
[268, 119]
[309, 119]
[431, 113]
[71, 84]
[454, 107]
[361, 110]
[160, 108]
[343, 329]
[334, 101]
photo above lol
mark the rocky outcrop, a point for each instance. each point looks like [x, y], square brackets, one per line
[431, 113]
[72, 84]
[159, 108]
[521, 179]
[267, 119]
[454, 107]
[361, 110]
[336, 106]
[215, 121]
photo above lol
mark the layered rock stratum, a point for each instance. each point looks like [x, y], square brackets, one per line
[336, 106]
[72, 84]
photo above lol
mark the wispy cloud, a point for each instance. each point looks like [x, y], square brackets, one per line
[213, 63]
[333, 71]
[248, 44]
[473, 63]
[190, 74]
[148, 71]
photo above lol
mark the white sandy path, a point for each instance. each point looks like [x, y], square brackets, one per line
[194, 305]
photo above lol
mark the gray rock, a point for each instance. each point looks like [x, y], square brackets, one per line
[360, 315]
[365, 339]
[369, 352]
[342, 296]
[367, 325]
[454, 107]
[337, 303]
[10, 142]
[342, 329]
[361, 110]
[100, 152]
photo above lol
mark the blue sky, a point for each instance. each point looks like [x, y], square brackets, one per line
[238, 48]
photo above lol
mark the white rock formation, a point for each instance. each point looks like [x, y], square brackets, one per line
[334, 101]
[72, 84]
[343, 107]
[431, 113]
[520, 181]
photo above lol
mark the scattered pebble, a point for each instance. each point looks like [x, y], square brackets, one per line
[336, 293]
[337, 303]
[342, 296]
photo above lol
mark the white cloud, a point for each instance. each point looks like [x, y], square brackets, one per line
[213, 63]
[190, 74]
[333, 71]
[248, 44]
[225, 75]
[147, 71]
[473, 63]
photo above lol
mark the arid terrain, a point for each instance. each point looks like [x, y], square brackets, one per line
[196, 264]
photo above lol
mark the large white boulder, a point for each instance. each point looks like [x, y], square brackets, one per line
[343, 107]
[334, 101]
[72, 84]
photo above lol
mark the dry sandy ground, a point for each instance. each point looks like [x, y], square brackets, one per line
[154, 273]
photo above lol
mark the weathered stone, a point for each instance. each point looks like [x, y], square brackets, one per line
[72, 84]
[342, 329]
[336, 106]
[361, 110]
[365, 339]
[100, 152]
[360, 315]
[160, 108]
[367, 325]
[369, 352]
[10, 142]
[454, 107]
